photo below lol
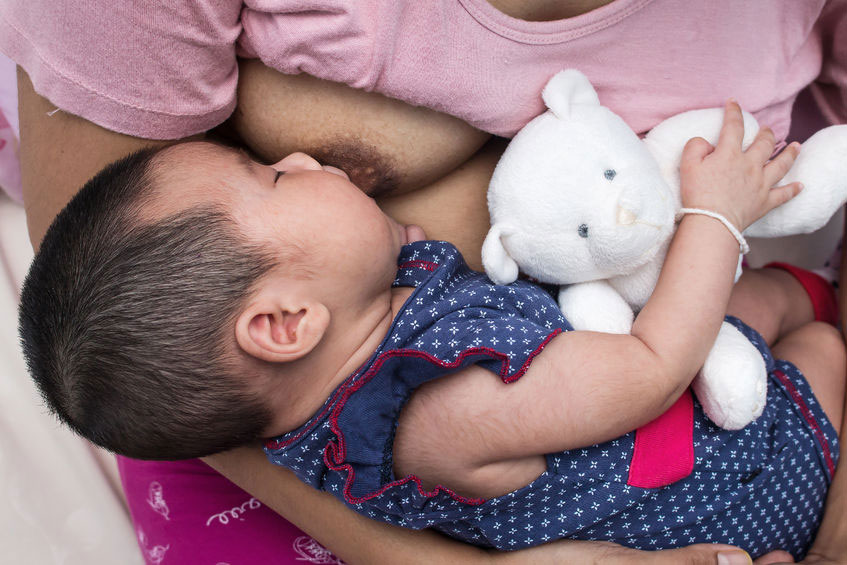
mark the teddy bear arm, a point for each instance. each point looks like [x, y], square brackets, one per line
[821, 166]
[595, 306]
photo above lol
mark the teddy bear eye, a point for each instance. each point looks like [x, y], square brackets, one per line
[609, 174]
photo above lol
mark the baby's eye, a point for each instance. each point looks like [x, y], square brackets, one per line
[609, 174]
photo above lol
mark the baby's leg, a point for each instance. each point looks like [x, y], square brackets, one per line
[774, 302]
[818, 350]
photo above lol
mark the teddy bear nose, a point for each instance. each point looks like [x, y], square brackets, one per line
[625, 217]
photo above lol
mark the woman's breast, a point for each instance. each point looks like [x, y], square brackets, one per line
[424, 167]
[386, 146]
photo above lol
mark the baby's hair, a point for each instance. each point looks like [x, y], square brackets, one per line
[126, 324]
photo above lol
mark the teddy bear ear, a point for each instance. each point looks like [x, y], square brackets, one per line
[498, 264]
[566, 89]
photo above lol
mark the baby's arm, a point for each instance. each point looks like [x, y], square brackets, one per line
[587, 387]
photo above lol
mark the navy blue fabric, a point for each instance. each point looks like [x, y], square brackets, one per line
[760, 488]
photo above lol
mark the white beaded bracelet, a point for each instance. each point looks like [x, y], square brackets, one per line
[742, 243]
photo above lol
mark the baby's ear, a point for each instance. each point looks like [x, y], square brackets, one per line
[568, 90]
[280, 330]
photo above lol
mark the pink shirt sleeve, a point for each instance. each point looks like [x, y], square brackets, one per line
[830, 89]
[161, 70]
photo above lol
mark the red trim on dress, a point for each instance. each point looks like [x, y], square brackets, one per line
[810, 419]
[426, 265]
[335, 453]
[820, 291]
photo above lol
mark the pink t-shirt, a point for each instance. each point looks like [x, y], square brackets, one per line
[168, 69]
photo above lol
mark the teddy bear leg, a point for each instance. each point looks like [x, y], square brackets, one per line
[732, 385]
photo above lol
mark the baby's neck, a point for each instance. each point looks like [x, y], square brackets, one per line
[304, 385]
[355, 347]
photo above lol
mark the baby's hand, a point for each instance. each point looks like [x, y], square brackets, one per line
[735, 183]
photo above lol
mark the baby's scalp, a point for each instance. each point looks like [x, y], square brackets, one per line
[125, 319]
[210, 175]
[192, 174]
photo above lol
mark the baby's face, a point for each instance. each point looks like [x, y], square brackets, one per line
[340, 231]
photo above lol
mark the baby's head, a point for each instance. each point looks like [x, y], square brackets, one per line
[170, 289]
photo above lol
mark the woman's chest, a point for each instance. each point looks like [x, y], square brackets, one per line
[385, 145]
[486, 65]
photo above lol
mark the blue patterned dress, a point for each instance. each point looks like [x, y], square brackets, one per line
[759, 488]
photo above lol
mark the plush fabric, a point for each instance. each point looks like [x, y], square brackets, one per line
[579, 200]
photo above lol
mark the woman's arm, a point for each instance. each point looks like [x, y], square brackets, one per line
[355, 538]
[59, 153]
[341, 530]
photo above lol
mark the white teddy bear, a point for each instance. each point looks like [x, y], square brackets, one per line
[578, 200]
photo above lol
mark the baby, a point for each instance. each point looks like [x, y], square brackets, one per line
[191, 300]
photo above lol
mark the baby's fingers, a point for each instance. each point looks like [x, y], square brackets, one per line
[695, 151]
[762, 146]
[779, 165]
[781, 194]
[732, 130]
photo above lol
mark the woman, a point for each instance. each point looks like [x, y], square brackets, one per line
[170, 71]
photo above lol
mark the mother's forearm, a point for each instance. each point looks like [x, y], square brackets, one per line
[352, 537]
[59, 153]
[357, 539]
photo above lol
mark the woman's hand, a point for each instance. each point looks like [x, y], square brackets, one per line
[338, 528]
[732, 182]
[607, 553]
[813, 558]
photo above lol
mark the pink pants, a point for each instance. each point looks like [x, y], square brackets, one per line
[184, 513]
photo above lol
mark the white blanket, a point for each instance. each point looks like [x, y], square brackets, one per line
[60, 500]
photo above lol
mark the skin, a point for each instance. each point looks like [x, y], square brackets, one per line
[252, 478]
[546, 10]
[59, 152]
[297, 325]
[443, 167]
[315, 323]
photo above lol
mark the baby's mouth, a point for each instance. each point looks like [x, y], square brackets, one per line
[336, 171]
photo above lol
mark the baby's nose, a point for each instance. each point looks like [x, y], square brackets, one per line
[298, 161]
